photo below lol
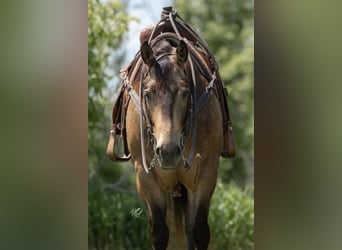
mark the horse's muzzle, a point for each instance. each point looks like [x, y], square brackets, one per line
[168, 156]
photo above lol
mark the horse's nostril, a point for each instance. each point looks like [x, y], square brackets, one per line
[158, 150]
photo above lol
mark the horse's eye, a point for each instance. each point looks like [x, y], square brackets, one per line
[185, 94]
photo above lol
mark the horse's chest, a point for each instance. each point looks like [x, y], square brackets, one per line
[169, 178]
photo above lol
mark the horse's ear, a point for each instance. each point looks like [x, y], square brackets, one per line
[182, 52]
[147, 54]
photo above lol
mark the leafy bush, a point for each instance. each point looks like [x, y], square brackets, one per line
[231, 218]
[116, 220]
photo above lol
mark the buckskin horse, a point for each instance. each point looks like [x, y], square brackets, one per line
[171, 119]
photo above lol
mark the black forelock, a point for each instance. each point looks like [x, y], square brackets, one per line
[163, 47]
[163, 65]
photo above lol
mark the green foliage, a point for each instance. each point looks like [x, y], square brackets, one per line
[107, 23]
[116, 220]
[112, 223]
[227, 27]
[231, 218]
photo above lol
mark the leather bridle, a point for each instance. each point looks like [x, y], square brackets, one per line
[195, 105]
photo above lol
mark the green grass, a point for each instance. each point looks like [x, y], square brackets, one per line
[111, 224]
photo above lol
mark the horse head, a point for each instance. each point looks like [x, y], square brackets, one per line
[166, 98]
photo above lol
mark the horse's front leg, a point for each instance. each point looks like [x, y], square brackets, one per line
[198, 230]
[189, 221]
[201, 230]
[197, 227]
[159, 229]
[155, 200]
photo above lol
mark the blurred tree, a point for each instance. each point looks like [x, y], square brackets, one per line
[228, 28]
[107, 24]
